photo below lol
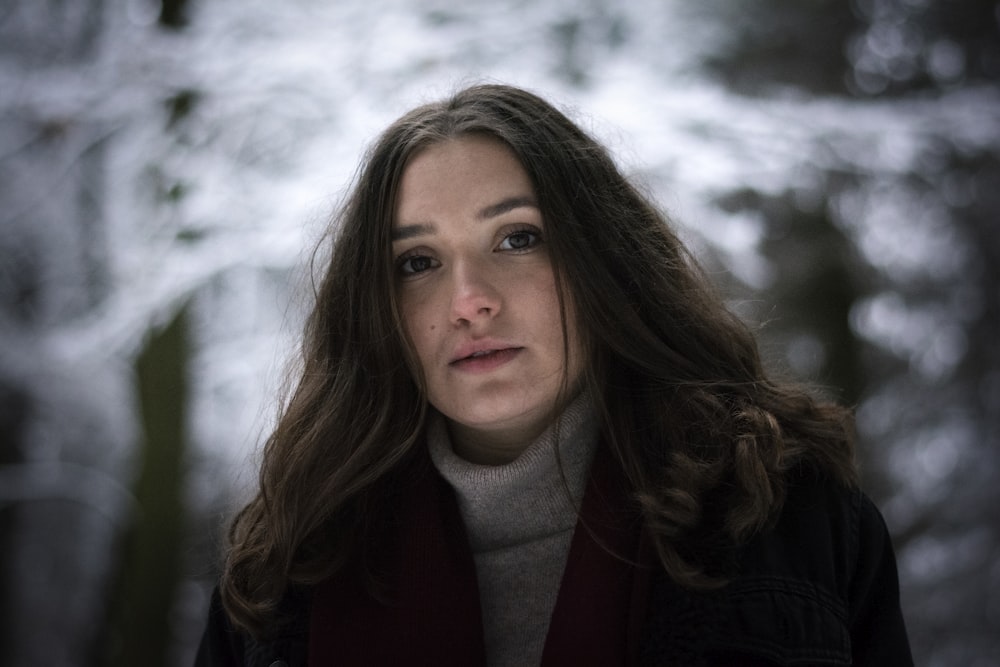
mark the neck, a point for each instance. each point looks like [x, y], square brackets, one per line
[491, 447]
[499, 446]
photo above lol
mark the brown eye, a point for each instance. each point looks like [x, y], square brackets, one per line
[416, 264]
[520, 240]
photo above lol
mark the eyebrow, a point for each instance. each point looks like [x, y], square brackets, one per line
[404, 232]
[505, 206]
[409, 231]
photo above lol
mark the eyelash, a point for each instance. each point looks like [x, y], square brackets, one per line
[405, 260]
[531, 231]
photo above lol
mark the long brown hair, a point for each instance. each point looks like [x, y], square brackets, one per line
[701, 433]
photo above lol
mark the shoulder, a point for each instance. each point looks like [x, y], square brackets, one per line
[818, 586]
[815, 537]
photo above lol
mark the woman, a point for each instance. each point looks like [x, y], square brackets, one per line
[526, 431]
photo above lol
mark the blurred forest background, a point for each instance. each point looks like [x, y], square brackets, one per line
[166, 168]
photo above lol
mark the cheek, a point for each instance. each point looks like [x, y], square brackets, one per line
[419, 328]
[545, 307]
[574, 344]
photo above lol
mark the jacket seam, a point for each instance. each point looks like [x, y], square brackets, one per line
[781, 652]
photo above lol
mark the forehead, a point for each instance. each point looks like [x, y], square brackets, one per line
[462, 171]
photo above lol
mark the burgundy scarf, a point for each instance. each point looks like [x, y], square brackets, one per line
[431, 613]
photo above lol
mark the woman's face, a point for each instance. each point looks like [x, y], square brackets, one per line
[478, 297]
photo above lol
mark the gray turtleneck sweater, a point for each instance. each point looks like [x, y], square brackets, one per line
[520, 521]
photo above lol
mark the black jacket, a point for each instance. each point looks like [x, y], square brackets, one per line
[819, 588]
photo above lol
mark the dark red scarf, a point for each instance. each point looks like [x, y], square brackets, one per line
[432, 614]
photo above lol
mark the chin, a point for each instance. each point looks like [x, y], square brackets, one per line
[498, 417]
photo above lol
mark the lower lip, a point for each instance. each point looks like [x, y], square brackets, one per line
[486, 362]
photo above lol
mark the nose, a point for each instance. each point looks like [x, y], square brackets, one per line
[474, 294]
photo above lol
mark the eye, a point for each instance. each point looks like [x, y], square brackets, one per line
[522, 239]
[414, 264]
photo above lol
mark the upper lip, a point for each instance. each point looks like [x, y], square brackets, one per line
[467, 349]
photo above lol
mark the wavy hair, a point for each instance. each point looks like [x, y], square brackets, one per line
[704, 437]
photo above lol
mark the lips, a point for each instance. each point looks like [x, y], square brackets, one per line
[484, 356]
[480, 354]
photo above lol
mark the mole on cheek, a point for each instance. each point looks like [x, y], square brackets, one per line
[433, 327]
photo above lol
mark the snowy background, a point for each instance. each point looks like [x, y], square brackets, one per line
[166, 170]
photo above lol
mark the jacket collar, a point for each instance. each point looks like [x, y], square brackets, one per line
[426, 608]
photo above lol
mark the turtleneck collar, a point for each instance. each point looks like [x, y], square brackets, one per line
[526, 499]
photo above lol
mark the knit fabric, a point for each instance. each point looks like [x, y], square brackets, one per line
[520, 519]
